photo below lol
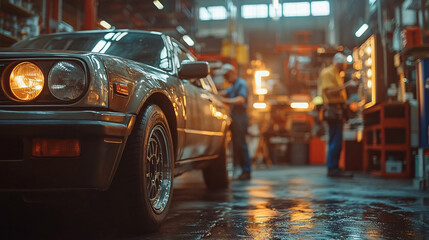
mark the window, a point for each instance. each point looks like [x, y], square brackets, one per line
[212, 13]
[254, 11]
[146, 48]
[296, 9]
[207, 84]
[320, 8]
[182, 54]
[275, 12]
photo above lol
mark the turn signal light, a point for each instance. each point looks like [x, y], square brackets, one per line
[44, 147]
[121, 88]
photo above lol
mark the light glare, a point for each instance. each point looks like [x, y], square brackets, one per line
[299, 105]
[261, 91]
[188, 40]
[158, 4]
[259, 105]
[296, 9]
[361, 30]
[320, 8]
[105, 24]
[26, 81]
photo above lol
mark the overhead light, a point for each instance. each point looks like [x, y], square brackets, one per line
[188, 40]
[105, 24]
[259, 105]
[181, 30]
[361, 30]
[299, 105]
[275, 10]
[349, 59]
[321, 50]
[368, 50]
[262, 73]
[158, 4]
[261, 91]
[369, 62]
[276, 3]
[258, 78]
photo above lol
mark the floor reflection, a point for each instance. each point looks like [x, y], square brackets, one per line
[301, 212]
[288, 203]
[260, 217]
[387, 222]
[301, 217]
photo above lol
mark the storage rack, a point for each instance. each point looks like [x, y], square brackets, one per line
[9, 7]
[387, 140]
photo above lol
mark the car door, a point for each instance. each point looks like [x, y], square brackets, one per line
[216, 123]
[198, 110]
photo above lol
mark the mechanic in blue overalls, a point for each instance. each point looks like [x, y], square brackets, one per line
[236, 97]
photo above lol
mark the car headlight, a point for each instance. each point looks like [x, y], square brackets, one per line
[26, 81]
[66, 81]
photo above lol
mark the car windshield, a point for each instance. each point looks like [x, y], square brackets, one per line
[142, 47]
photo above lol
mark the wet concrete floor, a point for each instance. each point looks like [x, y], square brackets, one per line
[281, 202]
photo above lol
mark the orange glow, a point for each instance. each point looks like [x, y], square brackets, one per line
[43, 147]
[26, 81]
[301, 217]
[121, 88]
[259, 219]
[259, 226]
[354, 106]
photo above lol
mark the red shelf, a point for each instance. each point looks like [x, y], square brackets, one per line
[380, 119]
[388, 147]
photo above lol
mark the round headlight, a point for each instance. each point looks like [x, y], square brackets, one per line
[26, 81]
[66, 81]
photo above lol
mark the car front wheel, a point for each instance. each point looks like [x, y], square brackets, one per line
[144, 184]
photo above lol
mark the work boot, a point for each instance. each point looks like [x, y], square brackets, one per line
[339, 173]
[244, 176]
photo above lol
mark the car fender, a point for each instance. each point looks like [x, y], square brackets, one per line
[146, 85]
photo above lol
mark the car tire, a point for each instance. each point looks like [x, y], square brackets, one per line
[216, 174]
[143, 187]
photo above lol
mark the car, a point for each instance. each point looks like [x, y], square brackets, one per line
[118, 112]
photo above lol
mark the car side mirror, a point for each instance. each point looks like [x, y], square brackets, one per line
[198, 69]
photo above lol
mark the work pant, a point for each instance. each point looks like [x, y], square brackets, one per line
[239, 146]
[335, 144]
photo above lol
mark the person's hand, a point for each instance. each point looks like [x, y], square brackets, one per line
[350, 83]
[223, 99]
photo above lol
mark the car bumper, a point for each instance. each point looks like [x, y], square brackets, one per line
[102, 137]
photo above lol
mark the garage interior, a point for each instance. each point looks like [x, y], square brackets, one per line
[280, 47]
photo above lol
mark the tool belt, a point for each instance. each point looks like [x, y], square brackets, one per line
[334, 112]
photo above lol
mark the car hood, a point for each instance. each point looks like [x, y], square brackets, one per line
[37, 52]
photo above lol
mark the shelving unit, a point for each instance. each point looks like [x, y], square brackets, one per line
[6, 7]
[387, 140]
